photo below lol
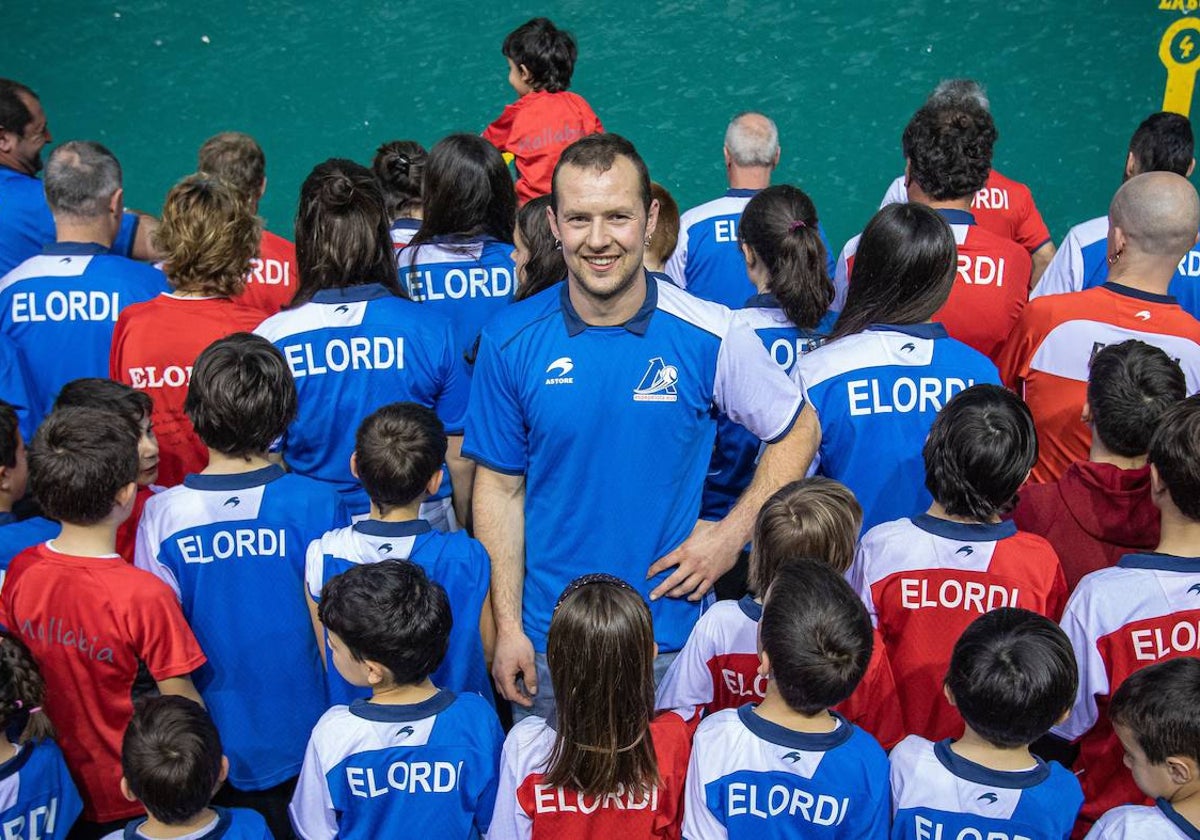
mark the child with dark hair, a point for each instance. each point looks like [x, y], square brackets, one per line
[136, 408]
[666, 230]
[90, 618]
[16, 535]
[537, 255]
[924, 579]
[1156, 716]
[241, 526]
[397, 456]
[173, 764]
[1012, 676]
[546, 118]
[1102, 508]
[790, 766]
[606, 766]
[414, 758]
[39, 799]
[399, 167]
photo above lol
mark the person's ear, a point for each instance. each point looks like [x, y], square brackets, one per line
[116, 204]
[1157, 488]
[1181, 769]
[1086, 415]
[775, 162]
[434, 484]
[376, 674]
[127, 791]
[126, 494]
[525, 75]
[949, 695]
[8, 139]
[764, 664]
[224, 774]
[553, 223]
[354, 464]
[1131, 166]
[748, 255]
[5, 479]
[728, 157]
[652, 218]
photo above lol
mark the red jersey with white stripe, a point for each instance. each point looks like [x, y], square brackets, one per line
[529, 809]
[925, 579]
[154, 347]
[1144, 610]
[718, 669]
[272, 280]
[1049, 353]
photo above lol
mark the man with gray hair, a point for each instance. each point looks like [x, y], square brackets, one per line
[707, 260]
[60, 306]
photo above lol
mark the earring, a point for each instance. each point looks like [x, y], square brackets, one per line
[557, 245]
[647, 242]
[1113, 259]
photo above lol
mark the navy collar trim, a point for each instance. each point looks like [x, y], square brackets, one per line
[638, 324]
[436, 704]
[980, 775]
[236, 481]
[931, 330]
[1177, 820]
[954, 216]
[784, 737]
[1137, 294]
[408, 528]
[7, 518]
[965, 531]
[1161, 562]
[14, 764]
[751, 608]
[223, 822]
[352, 294]
[406, 224]
[766, 300]
[74, 249]
[459, 239]
[741, 193]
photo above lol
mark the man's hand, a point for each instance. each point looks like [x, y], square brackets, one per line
[700, 560]
[513, 659]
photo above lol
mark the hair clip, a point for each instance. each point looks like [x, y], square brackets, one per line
[796, 225]
[585, 580]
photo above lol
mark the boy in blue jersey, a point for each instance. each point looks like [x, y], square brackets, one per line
[230, 542]
[1012, 677]
[16, 535]
[172, 763]
[398, 455]
[414, 760]
[790, 767]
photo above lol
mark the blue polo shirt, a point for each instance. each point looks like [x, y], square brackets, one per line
[16, 386]
[613, 428]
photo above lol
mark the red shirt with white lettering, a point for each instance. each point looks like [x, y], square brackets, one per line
[925, 579]
[1006, 208]
[154, 347]
[88, 622]
[1144, 610]
[272, 280]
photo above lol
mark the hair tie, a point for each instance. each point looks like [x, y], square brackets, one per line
[796, 225]
[607, 750]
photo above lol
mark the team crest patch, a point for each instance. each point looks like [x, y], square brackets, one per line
[658, 383]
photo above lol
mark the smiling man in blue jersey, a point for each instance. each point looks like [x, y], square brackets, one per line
[591, 419]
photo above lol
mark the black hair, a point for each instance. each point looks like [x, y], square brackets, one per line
[545, 267]
[1163, 143]
[903, 270]
[399, 167]
[22, 692]
[467, 192]
[546, 51]
[10, 429]
[1013, 676]
[1175, 453]
[171, 757]
[1129, 387]
[949, 149]
[779, 225]
[79, 460]
[817, 634]
[979, 452]
[241, 396]
[398, 449]
[1160, 704]
[105, 394]
[391, 613]
[14, 114]
[599, 152]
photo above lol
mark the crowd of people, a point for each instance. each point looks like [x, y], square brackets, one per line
[538, 509]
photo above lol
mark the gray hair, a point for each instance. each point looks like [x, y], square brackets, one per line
[81, 177]
[957, 91]
[752, 139]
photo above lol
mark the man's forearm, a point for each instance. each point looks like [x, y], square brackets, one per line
[462, 480]
[499, 514]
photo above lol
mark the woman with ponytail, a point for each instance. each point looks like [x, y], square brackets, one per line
[399, 167]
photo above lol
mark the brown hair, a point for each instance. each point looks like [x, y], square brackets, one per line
[236, 159]
[666, 230]
[22, 691]
[209, 234]
[814, 517]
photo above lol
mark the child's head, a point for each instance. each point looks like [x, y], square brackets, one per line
[666, 229]
[388, 623]
[22, 693]
[1175, 457]
[208, 236]
[540, 57]
[83, 463]
[979, 452]
[14, 468]
[537, 256]
[399, 167]
[132, 404]
[241, 396]
[398, 454]
[467, 192]
[601, 636]
[1130, 385]
[1156, 715]
[814, 517]
[1012, 676]
[815, 636]
[171, 758]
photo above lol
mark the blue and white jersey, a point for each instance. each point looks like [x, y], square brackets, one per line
[18, 535]
[37, 796]
[707, 260]
[1082, 263]
[466, 281]
[623, 417]
[877, 393]
[61, 306]
[430, 768]
[736, 451]
[230, 824]
[1140, 822]
[751, 778]
[16, 386]
[232, 547]
[456, 561]
[355, 350]
[937, 793]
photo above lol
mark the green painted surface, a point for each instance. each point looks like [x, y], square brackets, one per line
[1068, 83]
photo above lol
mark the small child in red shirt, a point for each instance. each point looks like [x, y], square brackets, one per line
[547, 117]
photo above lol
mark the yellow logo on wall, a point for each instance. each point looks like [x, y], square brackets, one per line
[1185, 6]
[1179, 51]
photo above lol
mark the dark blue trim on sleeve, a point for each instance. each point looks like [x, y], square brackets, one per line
[1048, 241]
[377, 528]
[14, 764]
[954, 216]
[787, 430]
[235, 481]
[491, 465]
[750, 608]
[980, 775]
[784, 737]
[965, 531]
[380, 713]
[1137, 294]
[1160, 562]
[931, 330]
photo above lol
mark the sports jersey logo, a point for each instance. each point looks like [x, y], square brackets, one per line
[341, 308]
[1195, 587]
[404, 731]
[965, 551]
[658, 383]
[232, 501]
[65, 260]
[792, 756]
[558, 370]
[908, 347]
[1144, 315]
[989, 797]
[386, 548]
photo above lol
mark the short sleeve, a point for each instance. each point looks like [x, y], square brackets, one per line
[751, 388]
[1031, 232]
[16, 387]
[496, 435]
[688, 684]
[127, 235]
[161, 637]
[1017, 352]
[500, 131]
[896, 193]
[1065, 272]
[314, 569]
[509, 820]
[455, 392]
[699, 822]
[146, 552]
[311, 809]
[1093, 675]
[485, 802]
[676, 267]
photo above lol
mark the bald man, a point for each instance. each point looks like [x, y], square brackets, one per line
[1154, 218]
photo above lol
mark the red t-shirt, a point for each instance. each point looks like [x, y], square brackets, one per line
[88, 622]
[272, 280]
[1006, 208]
[535, 129]
[154, 347]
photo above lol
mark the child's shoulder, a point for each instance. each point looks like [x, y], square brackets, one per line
[911, 751]
[1136, 822]
[240, 824]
